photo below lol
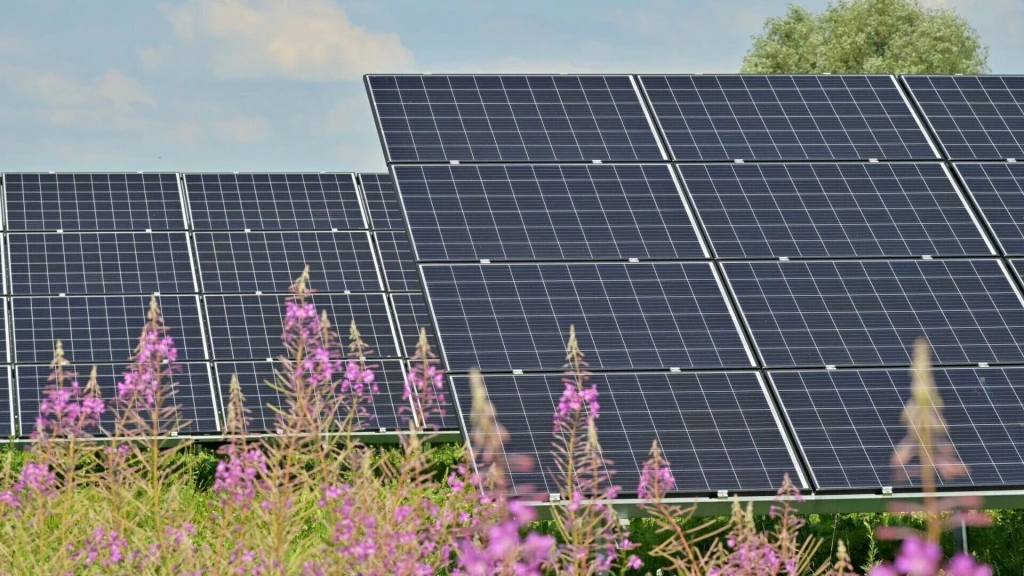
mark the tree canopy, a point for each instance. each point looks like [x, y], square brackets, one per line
[865, 37]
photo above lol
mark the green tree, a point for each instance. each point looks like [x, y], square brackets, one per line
[868, 36]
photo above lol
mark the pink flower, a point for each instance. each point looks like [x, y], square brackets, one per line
[965, 565]
[918, 557]
[575, 400]
[883, 570]
[652, 475]
[37, 478]
[634, 563]
[237, 477]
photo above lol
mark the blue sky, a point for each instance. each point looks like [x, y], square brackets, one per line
[275, 85]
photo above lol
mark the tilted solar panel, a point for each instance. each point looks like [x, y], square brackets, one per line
[832, 210]
[271, 261]
[99, 328]
[274, 202]
[780, 117]
[6, 403]
[193, 394]
[869, 313]
[249, 326]
[412, 315]
[973, 117]
[717, 429]
[101, 263]
[627, 316]
[847, 424]
[69, 202]
[385, 410]
[435, 118]
[998, 190]
[398, 261]
[547, 212]
[382, 202]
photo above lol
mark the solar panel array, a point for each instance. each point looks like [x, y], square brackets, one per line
[512, 252]
[803, 232]
[254, 235]
[86, 252]
[83, 253]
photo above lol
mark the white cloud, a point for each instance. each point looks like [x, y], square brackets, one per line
[152, 57]
[296, 39]
[110, 101]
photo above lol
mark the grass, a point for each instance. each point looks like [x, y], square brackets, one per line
[998, 545]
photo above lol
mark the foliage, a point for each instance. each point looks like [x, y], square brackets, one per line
[313, 500]
[868, 37]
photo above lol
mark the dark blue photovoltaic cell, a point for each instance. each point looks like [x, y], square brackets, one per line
[382, 202]
[627, 316]
[779, 117]
[193, 394]
[973, 117]
[274, 202]
[6, 415]
[998, 190]
[398, 261]
[511, 118]
[547, 212]
[832, 210]
[847, 423]
[384, 410]
[99, 328]
[412, 315]
[869, 313]
[101, 263]
[271, 261]
[716, 429]
[66, 201]
[249, 326]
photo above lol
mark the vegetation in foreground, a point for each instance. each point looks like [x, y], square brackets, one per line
[313, 500]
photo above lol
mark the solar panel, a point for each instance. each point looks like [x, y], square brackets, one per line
[101, 263]
[274, 202]
[998, 190]
[399, 262]
[973, 117]
[832, 210]
[847, 423]
[193, 394]
[271, 261]
[627, 316]
[5, 352]
[382, 202]
[412, 314]
[49, 202]
[6, 403]
[511, 118]
[780, 117]
[717, 429]
[869, 313]
[248, 326]
[547, 212]
[253, 377]
[99, 328]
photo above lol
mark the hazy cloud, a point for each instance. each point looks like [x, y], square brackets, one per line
[241, 129]
[296, 39]
[111, 101]
[151, 57]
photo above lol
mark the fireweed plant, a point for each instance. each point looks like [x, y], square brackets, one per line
[106, 488]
